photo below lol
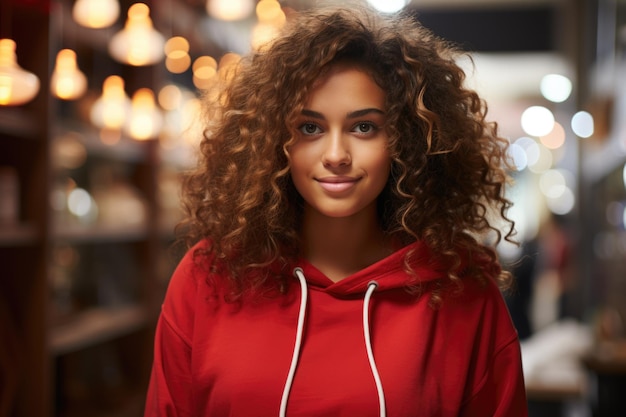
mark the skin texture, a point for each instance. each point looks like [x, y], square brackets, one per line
[340, 164]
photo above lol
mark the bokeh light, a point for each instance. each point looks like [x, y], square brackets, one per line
[388, 6]
[582, 124]
[556, 88]
[555, 139]
[537, 121]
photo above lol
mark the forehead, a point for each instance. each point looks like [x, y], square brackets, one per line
[342, 66]
[345, 82]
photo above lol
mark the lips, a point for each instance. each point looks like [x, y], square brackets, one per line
[337, 184]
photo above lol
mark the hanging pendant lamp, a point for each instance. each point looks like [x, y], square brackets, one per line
[17, 86]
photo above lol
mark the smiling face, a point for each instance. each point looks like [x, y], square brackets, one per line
[340, 162]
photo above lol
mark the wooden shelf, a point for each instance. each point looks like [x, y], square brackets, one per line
[18, 122]
[539, 390]
[95, 326]
[56, 264]
[607, 358]
[17, 235]
[127, 149]
[77, 233]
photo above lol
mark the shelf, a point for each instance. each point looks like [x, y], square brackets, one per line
[99, 233]
[127, 149]
[95, 326]
[83, 291]
[17, 235]
[546, 391]
[18, 122]
[607, 358]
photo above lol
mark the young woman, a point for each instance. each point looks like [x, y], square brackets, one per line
[346, 183]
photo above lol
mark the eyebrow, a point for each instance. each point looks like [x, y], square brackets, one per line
[351, 115]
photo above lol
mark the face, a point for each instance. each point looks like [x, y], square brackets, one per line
[340, 162]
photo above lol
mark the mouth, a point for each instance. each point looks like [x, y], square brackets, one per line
[337, 184]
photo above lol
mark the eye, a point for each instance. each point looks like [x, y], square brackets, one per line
[310, 129]
[364, 127]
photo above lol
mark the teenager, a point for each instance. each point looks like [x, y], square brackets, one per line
[337, 222]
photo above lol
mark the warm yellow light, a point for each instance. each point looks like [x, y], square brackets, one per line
[67, 81]
[204, 69]
[270, 11]
[176, 43]
[138, 43]
[177, 62]
[262, 34]
[229, 9]
[271, 18]
[173, 99]
[96, 13]
[17, 86]
[170, 97]
[177, 59]
[204, 61]
[110, 110]
[192, 127]
[228, 66]
[145, 118]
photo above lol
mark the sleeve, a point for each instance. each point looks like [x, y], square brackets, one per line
[497, 383]
[169, 391]
[501, 392]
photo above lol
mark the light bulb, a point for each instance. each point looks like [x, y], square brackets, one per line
[96, 14]
[230, 10]
[138, 44]
[110, 110]
[204, 69]
[388, 6]
[270, 19]
[270, 11]
[177, 59]
[67, 81]
[145, 119]
[555, 87]
[17, 86]
[537, 121]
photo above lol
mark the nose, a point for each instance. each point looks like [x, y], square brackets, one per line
[336, 151]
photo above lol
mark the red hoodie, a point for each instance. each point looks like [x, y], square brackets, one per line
[215, 359]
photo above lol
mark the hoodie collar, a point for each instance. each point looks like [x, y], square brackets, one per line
[389, 272]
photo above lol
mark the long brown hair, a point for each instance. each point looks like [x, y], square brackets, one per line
[448, 175]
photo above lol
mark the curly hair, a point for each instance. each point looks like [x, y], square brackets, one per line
[449, 166]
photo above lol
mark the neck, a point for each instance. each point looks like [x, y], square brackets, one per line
[342, 246]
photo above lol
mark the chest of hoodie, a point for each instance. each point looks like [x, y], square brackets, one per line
[241, 356]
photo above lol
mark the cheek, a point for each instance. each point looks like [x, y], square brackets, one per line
[298, 165]
[379, 163]
[382, 173]
[295, 159]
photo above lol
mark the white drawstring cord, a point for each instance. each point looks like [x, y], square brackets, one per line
[371, 287]
[296, 349]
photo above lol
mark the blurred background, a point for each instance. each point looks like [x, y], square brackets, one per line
[99, 112]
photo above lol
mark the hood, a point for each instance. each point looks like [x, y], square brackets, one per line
[389, 273]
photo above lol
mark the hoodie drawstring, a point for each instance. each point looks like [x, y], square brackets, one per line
[296, 349]
[371, 287]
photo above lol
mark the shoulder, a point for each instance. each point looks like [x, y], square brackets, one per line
[194, 265]
[481, 305]
[479, 293]
[188, 284]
